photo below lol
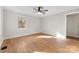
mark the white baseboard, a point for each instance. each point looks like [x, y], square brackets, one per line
[18, 35]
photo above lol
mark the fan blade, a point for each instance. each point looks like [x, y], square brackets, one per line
[35, 9]
[45, 10]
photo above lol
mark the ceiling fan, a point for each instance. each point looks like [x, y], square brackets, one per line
[40, 10]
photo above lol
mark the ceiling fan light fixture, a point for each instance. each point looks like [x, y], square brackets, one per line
[39, 13]
[40, 10]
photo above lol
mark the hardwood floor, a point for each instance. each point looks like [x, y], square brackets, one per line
[40, 43]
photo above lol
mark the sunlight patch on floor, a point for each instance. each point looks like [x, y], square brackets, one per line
[44, 36]
[59, 36]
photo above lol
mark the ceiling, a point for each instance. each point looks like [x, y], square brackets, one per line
[28, 10]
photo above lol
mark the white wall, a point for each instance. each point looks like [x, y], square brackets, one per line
[57, 23]
[10, 26]
[73, 25]
[54, 24]
[51, 24]
[1, 24]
